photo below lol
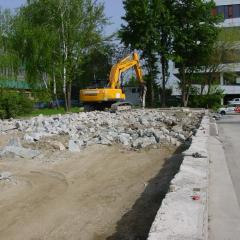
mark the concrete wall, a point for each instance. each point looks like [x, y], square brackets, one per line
[183, 214]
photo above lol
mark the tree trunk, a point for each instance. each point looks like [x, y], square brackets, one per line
[65, 87]
[163, 95]
[149, 92]
[183, 85]
[45, 80]
[209, 83]
[55, 90]
[187, 94]
[69, 95]
[65, 59]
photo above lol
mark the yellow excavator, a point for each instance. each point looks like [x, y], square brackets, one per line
[113, 95]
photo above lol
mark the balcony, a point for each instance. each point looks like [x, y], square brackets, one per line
[231, 89]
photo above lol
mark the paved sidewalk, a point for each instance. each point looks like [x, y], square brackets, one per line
[224, 211]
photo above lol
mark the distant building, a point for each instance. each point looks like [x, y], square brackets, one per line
[16, 86]
[230, 72]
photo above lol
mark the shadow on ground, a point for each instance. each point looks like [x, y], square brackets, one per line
[136, 224]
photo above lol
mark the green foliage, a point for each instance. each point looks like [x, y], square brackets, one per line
[231, 34]
[95, 67]
[9, 60]
[14, 104]
[211, 100]
[133, 82]
[41, 95]
[184, 31]
[51, 111]
[149, 27]
[195, 34]
[53, 36]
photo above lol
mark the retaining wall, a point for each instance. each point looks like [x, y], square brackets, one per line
[183, 214]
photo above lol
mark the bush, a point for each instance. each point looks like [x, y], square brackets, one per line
[212, 100]
[14, 104]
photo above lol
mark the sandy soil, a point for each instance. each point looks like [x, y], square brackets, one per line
[101, 193]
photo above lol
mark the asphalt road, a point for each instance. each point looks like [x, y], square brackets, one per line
[229, 133]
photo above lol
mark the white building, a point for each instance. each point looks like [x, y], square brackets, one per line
[231, 12]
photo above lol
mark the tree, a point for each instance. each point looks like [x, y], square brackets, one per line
[137, 34]
[195, 34]
[9, 62]
[95, 67]
[163, 28]
[58, 33]
[150, 27]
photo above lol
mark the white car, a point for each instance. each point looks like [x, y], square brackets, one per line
[234, 101]
[230, 109]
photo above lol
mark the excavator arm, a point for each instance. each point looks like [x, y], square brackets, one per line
[122, 66]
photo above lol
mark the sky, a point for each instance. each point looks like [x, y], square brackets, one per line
[113, 10]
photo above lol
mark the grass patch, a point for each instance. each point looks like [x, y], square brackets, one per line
[52, 111]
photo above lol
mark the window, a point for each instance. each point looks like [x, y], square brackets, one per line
[220, 10]
[231, 78]
[230, 11]
[227, 11]
[238, 80]
[236, 11]
[134, 90]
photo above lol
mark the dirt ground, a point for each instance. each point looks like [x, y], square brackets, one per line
[101, 193]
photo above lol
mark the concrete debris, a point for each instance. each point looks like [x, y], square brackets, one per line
[14, 147]
[73, 146]
[5, 176]
[133, 129]
[19, 151]
[56, 145]
[28, 138]
[14, 142]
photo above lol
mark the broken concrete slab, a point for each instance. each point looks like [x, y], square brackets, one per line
[20, 151]
[73, 146]
[5, 175]
[56, 145]
[14, 142]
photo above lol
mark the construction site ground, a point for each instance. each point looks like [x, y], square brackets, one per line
[100, 193]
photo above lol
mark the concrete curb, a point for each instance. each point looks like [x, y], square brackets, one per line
[184, 211]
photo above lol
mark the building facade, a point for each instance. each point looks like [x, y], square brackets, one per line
[230, 69]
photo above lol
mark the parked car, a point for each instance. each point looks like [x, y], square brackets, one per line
[234, 101]
[230, 109]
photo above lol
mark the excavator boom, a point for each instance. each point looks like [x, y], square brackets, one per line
[122, 66]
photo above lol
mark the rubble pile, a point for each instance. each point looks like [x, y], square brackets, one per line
[133, 129]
